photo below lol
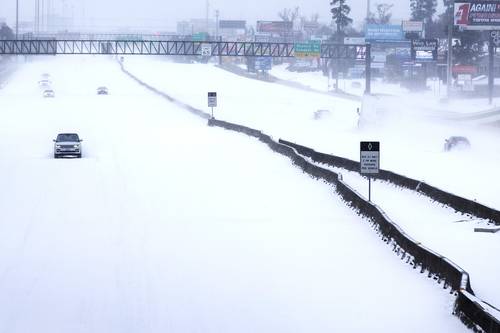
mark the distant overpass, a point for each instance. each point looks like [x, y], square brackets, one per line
[174, 47]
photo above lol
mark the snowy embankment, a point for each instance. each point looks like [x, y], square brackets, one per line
[439, 228]
[159, 228]
[411, 145]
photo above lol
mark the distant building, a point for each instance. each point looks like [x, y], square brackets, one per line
[194, 26]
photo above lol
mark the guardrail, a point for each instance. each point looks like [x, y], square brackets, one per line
[467, 307]
[195, 111]
[460, 204]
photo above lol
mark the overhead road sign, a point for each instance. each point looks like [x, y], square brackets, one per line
[311, 49]
[424, 50]
[412, 26]
[199, 37]
[233, 24]
[206, 50]
[477, 14]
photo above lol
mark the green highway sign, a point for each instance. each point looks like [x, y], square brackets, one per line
[200, 37]
[309, 49]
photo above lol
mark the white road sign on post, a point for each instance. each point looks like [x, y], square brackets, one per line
[369, 161]
[212, 101]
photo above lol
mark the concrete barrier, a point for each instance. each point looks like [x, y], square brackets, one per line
[460, 204]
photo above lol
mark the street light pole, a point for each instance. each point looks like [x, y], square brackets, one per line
[17, 19]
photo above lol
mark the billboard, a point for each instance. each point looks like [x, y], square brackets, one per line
[413, 26]
[424, 50]
[263, 63]
[232, 24]
[477, 15]
[354, 40]
[276, 27]
[383, 33]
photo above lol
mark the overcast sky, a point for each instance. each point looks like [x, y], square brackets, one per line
[154, 13]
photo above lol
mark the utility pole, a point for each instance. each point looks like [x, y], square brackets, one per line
[17, 19]
[37, 16]
[367, 10]
[207, 13]
[43, 15]
[217, 24]
[450, 52]
[491, 68]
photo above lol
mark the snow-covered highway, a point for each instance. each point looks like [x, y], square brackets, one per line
[167, 225]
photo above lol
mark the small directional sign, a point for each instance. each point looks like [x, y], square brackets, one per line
[212, 99]
[370, 157]
[206, 50]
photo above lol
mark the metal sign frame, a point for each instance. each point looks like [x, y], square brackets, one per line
[183, 48]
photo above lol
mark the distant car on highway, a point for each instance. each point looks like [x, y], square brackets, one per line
[49, 93]
[102, 91]
[44, 83]
[45, 76]
[67, 144]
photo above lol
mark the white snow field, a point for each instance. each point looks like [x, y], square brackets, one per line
[411, 143]
[167, 225]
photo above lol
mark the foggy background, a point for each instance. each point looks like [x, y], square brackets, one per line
[163, 15]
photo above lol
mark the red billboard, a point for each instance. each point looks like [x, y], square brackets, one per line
[277, 27]
[477, 15]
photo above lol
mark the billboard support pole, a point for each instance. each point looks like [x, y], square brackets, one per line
[450, 53]
[368, 68]
[491, 69]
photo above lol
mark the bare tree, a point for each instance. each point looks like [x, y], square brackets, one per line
[383, 15]
[289, 14]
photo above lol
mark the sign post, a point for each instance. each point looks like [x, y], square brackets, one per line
[369, 162]
[212, 101]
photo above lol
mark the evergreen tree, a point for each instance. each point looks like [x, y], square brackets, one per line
[423, 10]
[340, 15]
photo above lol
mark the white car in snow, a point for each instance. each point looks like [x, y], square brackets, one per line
[44, 83]
[49, 93]
[67, 144]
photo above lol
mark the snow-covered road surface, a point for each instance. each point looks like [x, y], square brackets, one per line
[167, 225]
